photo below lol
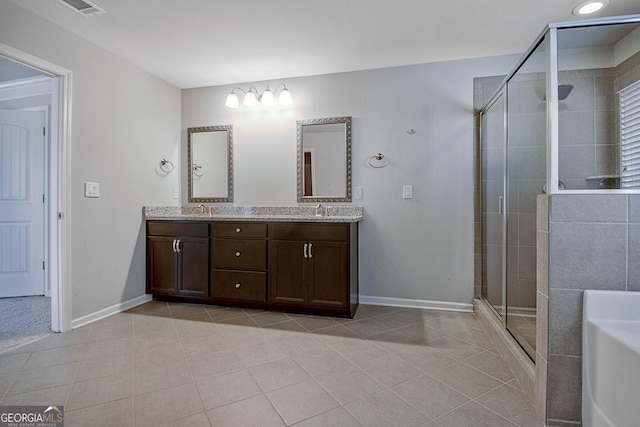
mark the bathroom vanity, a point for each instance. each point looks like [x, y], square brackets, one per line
[272, 258]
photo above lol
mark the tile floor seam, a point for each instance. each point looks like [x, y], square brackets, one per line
[188, 366]
[485, 373]
[495, 413]
[95, 405]
[264, 394]
[73, 383]
[322, 413]
[464, 393]
[491, 410]
[429, 417]
[32, 391]
[133, 385]
[466, 403]
[351, 413]
[382, 387]
[15, 378]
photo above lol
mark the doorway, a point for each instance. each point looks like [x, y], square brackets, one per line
[57, 176]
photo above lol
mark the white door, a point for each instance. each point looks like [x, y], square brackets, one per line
[22, 207]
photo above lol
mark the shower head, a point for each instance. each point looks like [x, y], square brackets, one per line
[563, 91]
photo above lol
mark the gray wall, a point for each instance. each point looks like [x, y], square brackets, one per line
[594, 243]
[124, 121]
[416, 249]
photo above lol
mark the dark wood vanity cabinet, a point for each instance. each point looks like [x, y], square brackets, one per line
[305, 267]
[313, 265]
[178, 259]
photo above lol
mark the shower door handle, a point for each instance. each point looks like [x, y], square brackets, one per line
[500, 205]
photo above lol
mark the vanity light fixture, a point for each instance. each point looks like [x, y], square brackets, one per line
[252, 97]
[589, 7]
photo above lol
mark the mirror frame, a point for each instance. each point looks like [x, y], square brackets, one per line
[331, 120]
[229, 197]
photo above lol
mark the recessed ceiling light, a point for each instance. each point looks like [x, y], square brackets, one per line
[589, 7]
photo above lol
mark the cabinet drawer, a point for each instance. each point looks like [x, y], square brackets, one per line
[240, 254]
[169, 228]
[240, 229]
[245, 285]
[310, 232]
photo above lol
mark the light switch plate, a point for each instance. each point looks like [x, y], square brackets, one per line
[357, 192]
[91, 189]
[407, 192]
[176, 193]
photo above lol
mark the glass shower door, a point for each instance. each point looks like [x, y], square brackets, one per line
[493, 154]
[527, 172]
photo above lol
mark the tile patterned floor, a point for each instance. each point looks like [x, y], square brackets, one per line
[192, 365]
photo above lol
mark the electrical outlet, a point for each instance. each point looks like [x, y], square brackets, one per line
[176, 193]
[91, 189]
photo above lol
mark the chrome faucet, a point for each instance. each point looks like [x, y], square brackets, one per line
[320, 210]
[202, 208]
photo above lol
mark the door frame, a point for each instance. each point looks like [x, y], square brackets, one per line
[500, 312]
[58, 216]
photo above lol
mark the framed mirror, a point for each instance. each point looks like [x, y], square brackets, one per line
[210, 164]
[324, 160]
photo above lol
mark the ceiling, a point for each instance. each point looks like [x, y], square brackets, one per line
[195, 43]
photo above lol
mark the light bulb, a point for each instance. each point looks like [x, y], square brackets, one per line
[267, 97]
[250, 99]
[589, 7]
[232, 100]
[285, 97]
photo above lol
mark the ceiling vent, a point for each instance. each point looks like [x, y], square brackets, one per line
[83, 7]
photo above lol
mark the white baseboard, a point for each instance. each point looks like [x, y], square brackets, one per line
[416, 303]
[106, 312]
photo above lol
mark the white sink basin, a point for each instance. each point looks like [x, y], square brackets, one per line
[611, 359]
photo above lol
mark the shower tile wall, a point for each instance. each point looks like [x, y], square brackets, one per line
[628, 72]
[588, 123]
[594, 243]
[587, 134]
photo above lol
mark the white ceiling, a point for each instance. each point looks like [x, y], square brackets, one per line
[195, 43]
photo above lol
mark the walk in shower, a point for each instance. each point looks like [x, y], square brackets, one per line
[561, 122]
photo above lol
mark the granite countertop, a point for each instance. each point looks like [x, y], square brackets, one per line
[252, 213]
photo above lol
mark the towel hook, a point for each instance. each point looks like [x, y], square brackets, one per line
[377, 157]
[166, 166]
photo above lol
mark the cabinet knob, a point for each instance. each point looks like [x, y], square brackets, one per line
[238, 253]
[237, 285]
[238, 230]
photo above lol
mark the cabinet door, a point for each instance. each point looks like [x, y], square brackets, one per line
[328, 274]
[287, 273]
[194, 267]
[161, 266]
